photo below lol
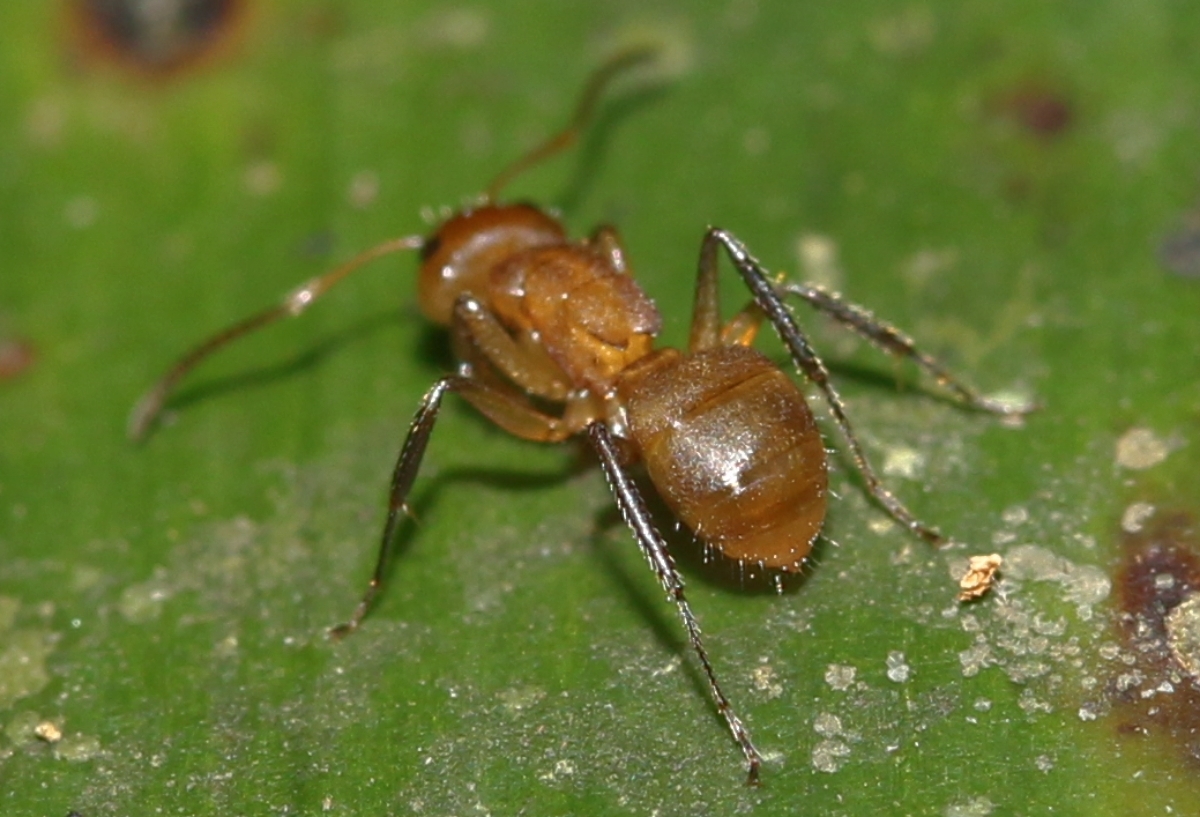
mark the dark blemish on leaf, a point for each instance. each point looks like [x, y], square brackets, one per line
[158, 38]
[317, 245]
[1179, 252]
[1041, 111]
[15, 357]
[1154, 684]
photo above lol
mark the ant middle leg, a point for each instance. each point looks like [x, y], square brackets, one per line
[767, 298]
[607, 241]
[504, 409]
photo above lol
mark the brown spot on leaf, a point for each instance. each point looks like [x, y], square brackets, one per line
[1038, 109]
[1180, 250]
[156, 38]
[1154, 684]
[15, 357]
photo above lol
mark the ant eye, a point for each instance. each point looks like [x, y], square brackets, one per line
[431, 245]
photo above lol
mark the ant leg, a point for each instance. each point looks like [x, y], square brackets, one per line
[637, 517]
[147, 410]
[892, 340]
[707, 331]
[485, 345]
[607, 241]
[805, 358]
[504, 410]
[706, 307]
[742, 328]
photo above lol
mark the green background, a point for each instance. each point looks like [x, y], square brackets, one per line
[997, 179]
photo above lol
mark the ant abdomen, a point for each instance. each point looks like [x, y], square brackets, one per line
[733, 449]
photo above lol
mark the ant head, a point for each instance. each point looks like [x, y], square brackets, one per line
[458, 257]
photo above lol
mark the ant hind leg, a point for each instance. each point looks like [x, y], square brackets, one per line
[892, 340]
[767, 297]
[637, 517]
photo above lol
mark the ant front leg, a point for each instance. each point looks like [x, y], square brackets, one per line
[637, 517]
[485, 346]
[768, 299]
[607, 241]
[502, 408]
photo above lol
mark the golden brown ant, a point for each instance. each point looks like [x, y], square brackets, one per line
[538, 319]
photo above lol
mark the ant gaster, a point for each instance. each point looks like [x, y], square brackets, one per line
[538, 319]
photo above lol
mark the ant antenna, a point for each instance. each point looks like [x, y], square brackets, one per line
[150, 407]
[583, 114]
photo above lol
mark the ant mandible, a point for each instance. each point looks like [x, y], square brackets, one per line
[726, 437]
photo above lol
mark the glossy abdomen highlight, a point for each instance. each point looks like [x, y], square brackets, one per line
[734, 451]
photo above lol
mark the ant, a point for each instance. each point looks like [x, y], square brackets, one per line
[539, 319]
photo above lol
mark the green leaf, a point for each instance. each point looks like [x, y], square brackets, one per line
[996, 180]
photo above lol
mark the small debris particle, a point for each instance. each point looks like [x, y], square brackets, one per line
[766, 680]
[1044, 763]
[840, 677]
[78, 748]
[904, 462]
[982, 705]
[1015, 515]
[143, 602]
[827, 725]
[980, 576]
[1031, 705]
[364, 189]
[975, 658]
[756, 141]
[23, 727]
[227, 647]
[459, 27]
[904, 33]
[1140, 448]
[829, 755]
[1183, 633]
[262, 178]
[975, 807]
[81, 212]
[1083, 585]
[518, 699]
[23, 671]
[562, 768]
[818, 256]
[327, 803]
[897, 669]
[1135, 516]
[925, 264]
[48, 731]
